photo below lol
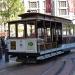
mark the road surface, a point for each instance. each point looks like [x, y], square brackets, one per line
[62, 65]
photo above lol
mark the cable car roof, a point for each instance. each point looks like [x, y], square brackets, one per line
[25, 15]
[40, 16]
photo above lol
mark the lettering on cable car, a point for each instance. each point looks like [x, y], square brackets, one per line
[30, 45]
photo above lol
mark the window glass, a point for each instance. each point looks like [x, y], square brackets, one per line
[62, 3]
[64, 30]
[12, 30]
[71, 31]
[44, 4]
[48, 32]
[58, 32]
[33, 4]
[31, 29]
[20, 30]
[62, 11]
[41, 32]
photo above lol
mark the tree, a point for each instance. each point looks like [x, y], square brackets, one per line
[10, 9]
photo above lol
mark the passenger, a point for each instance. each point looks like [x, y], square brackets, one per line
[3, 45]
[33, 35]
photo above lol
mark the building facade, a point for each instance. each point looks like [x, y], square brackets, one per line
[61, 8]
[39, 6]
[65, 8]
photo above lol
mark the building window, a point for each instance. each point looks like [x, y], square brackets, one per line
[44, 4]
[62, 3]
[38, 4]
[62, 12]
[44, 10]
[33, 4]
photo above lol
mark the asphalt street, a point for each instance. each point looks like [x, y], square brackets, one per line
[62, 65]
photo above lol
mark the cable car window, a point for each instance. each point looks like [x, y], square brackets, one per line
[41, 32]
[20, 30]
[64, 30]
[58, 32]
[31, 29]
[12, 30]
[71, 31]
[54, 31]
[48, 32]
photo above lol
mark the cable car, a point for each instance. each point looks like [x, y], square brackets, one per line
[38, 36]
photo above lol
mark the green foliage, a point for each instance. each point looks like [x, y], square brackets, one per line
[10, 9]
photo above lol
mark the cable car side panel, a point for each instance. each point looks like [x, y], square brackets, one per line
[22, 45]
